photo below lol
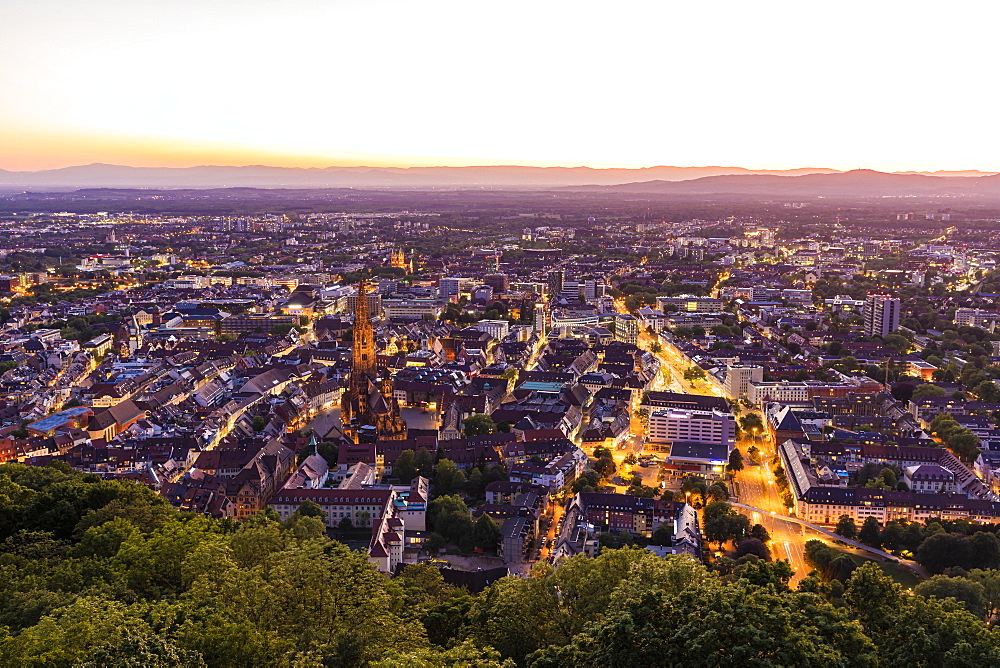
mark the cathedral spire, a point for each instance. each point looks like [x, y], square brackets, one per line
[364, 335]
[368, 399]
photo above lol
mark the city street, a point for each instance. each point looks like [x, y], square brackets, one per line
[755, 485]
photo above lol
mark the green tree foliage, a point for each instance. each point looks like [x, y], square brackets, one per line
[754, 546]
[987, 390]
[722, 523]
[740, 623]
[605, 466]
[448, 478]
[830, 562]
[405, 467]
[917, 630]
[944, 550]
[961, 440]
[486, 533]
[870, 533]
[751, 422]
[694, 373]
[478, 424]
[761, 533]
[718, 492]
[735, 460]
[103, 573]
[926, 390]
[449, 516]
[846, 527]
[968, 592]
[424, 463]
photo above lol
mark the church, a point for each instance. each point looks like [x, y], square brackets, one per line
[368, 409]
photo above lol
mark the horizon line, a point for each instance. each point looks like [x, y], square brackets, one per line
[496, 165]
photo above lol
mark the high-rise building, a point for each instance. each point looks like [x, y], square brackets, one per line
[556, 278]
[570, 291]
[739, 377]
[498, 282]
[368, 408]
[593, 290]
[543, 317]
[881, 315]
[452, 286]
[496, 328]
[626, 328]
[672, 425]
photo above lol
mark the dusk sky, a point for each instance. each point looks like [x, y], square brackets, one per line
[881, 85]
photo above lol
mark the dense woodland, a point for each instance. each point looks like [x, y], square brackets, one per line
[104, 573]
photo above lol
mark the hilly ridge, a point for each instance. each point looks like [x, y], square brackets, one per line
[855, 183]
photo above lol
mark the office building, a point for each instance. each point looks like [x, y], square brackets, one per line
[881, 315]
[739, 377]
[555, 281]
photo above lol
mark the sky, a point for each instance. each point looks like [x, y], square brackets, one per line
[876, 84]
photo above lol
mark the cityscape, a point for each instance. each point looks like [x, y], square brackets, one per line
[348, 334]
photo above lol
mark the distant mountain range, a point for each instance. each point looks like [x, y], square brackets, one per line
[259, 176]
[855, 183]
[663, 180]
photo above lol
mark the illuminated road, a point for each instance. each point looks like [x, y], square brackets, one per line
[755, 485]
[757, 488]
[822, 533]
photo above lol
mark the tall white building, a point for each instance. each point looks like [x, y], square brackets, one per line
[739, 377]
[496, 328]
[881, 315]
[627, 328]
[675, 425]
[451, 286]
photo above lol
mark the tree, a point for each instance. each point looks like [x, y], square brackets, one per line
[663, 535]
[846, 527]
[718, 492]
[735, 460]
[753, 546]
[985, 548]
[486, 533]
[424, 462]
[751, 423]
[965, 444]
[759, 532]
[310, 508]
[722, 523]
[694, 373]
[405, 467]
[258, 423]
[605, 466]
[870, 532]
[449, 516]
[631, 459]
[751, 624]
[927, 390]
[971, 594]
[916, 630]
[602, 451]
[987, 391]
[944, 550]
[478, 424]
[448, 478]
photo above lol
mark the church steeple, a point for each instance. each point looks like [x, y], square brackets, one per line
[364, 335]
[368, 400]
